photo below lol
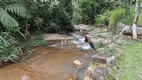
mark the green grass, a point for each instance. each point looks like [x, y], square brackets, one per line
[140, 19]
[131, 62]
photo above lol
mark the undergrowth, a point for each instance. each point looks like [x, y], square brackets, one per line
[15, 49]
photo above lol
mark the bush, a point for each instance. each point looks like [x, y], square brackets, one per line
[102, 18]
[58, 19]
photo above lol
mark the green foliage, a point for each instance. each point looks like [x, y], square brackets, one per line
[128, 19]
[18, 9]
[6, 20]
[9, 49]
[35, 41]
[86, 11]
[102, 18]
[7, 11]
[111, 76]
[115, 17]
[58, 19]
[77, 12]
[100, 45]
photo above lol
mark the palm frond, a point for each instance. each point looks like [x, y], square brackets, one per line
[6, 20]
[19, 9]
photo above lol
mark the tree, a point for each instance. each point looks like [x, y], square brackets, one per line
[137, 13]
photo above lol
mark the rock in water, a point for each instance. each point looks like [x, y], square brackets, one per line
[25, 77]
[90, 71]
[77, 63]
[87, 78]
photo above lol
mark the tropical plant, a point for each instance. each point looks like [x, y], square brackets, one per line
[9, 49]
[102, 18]
[10, 10]
[12, 14]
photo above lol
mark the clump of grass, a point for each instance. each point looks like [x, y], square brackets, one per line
[110, 77]
[100, 44]
[130, 62]
[111, 51]
[115, 17]
[93, 65]
[102, 18]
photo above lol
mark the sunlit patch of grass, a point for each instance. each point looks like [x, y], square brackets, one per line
[131, 62]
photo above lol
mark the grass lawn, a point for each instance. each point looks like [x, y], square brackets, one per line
[131, 62]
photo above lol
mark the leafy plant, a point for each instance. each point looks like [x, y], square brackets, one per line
[102, 18]
[8, 12]
[9, 49]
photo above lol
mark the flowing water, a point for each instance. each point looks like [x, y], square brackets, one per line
[50, 63]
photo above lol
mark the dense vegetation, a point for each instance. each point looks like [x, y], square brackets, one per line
[21, 19]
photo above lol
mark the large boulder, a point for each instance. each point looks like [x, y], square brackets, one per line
[100, 58]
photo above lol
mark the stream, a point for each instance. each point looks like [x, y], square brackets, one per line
[49, 63]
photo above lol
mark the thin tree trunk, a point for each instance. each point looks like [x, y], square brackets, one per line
[137, 13]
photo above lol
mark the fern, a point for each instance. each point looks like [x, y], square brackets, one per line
[9, 8]
[19, 9]
[6, 20]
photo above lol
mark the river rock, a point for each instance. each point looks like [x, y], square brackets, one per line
[111, 60]
[100, 57]
[100, 73]
[87, 78]
[77, 63]
[81, 73]
[25, 77]
[90, 70]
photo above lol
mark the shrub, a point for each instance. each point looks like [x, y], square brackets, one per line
[102, 18]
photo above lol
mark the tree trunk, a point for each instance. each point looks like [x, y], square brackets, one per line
[137, 13]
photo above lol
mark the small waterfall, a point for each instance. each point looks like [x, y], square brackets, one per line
[80, 42]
